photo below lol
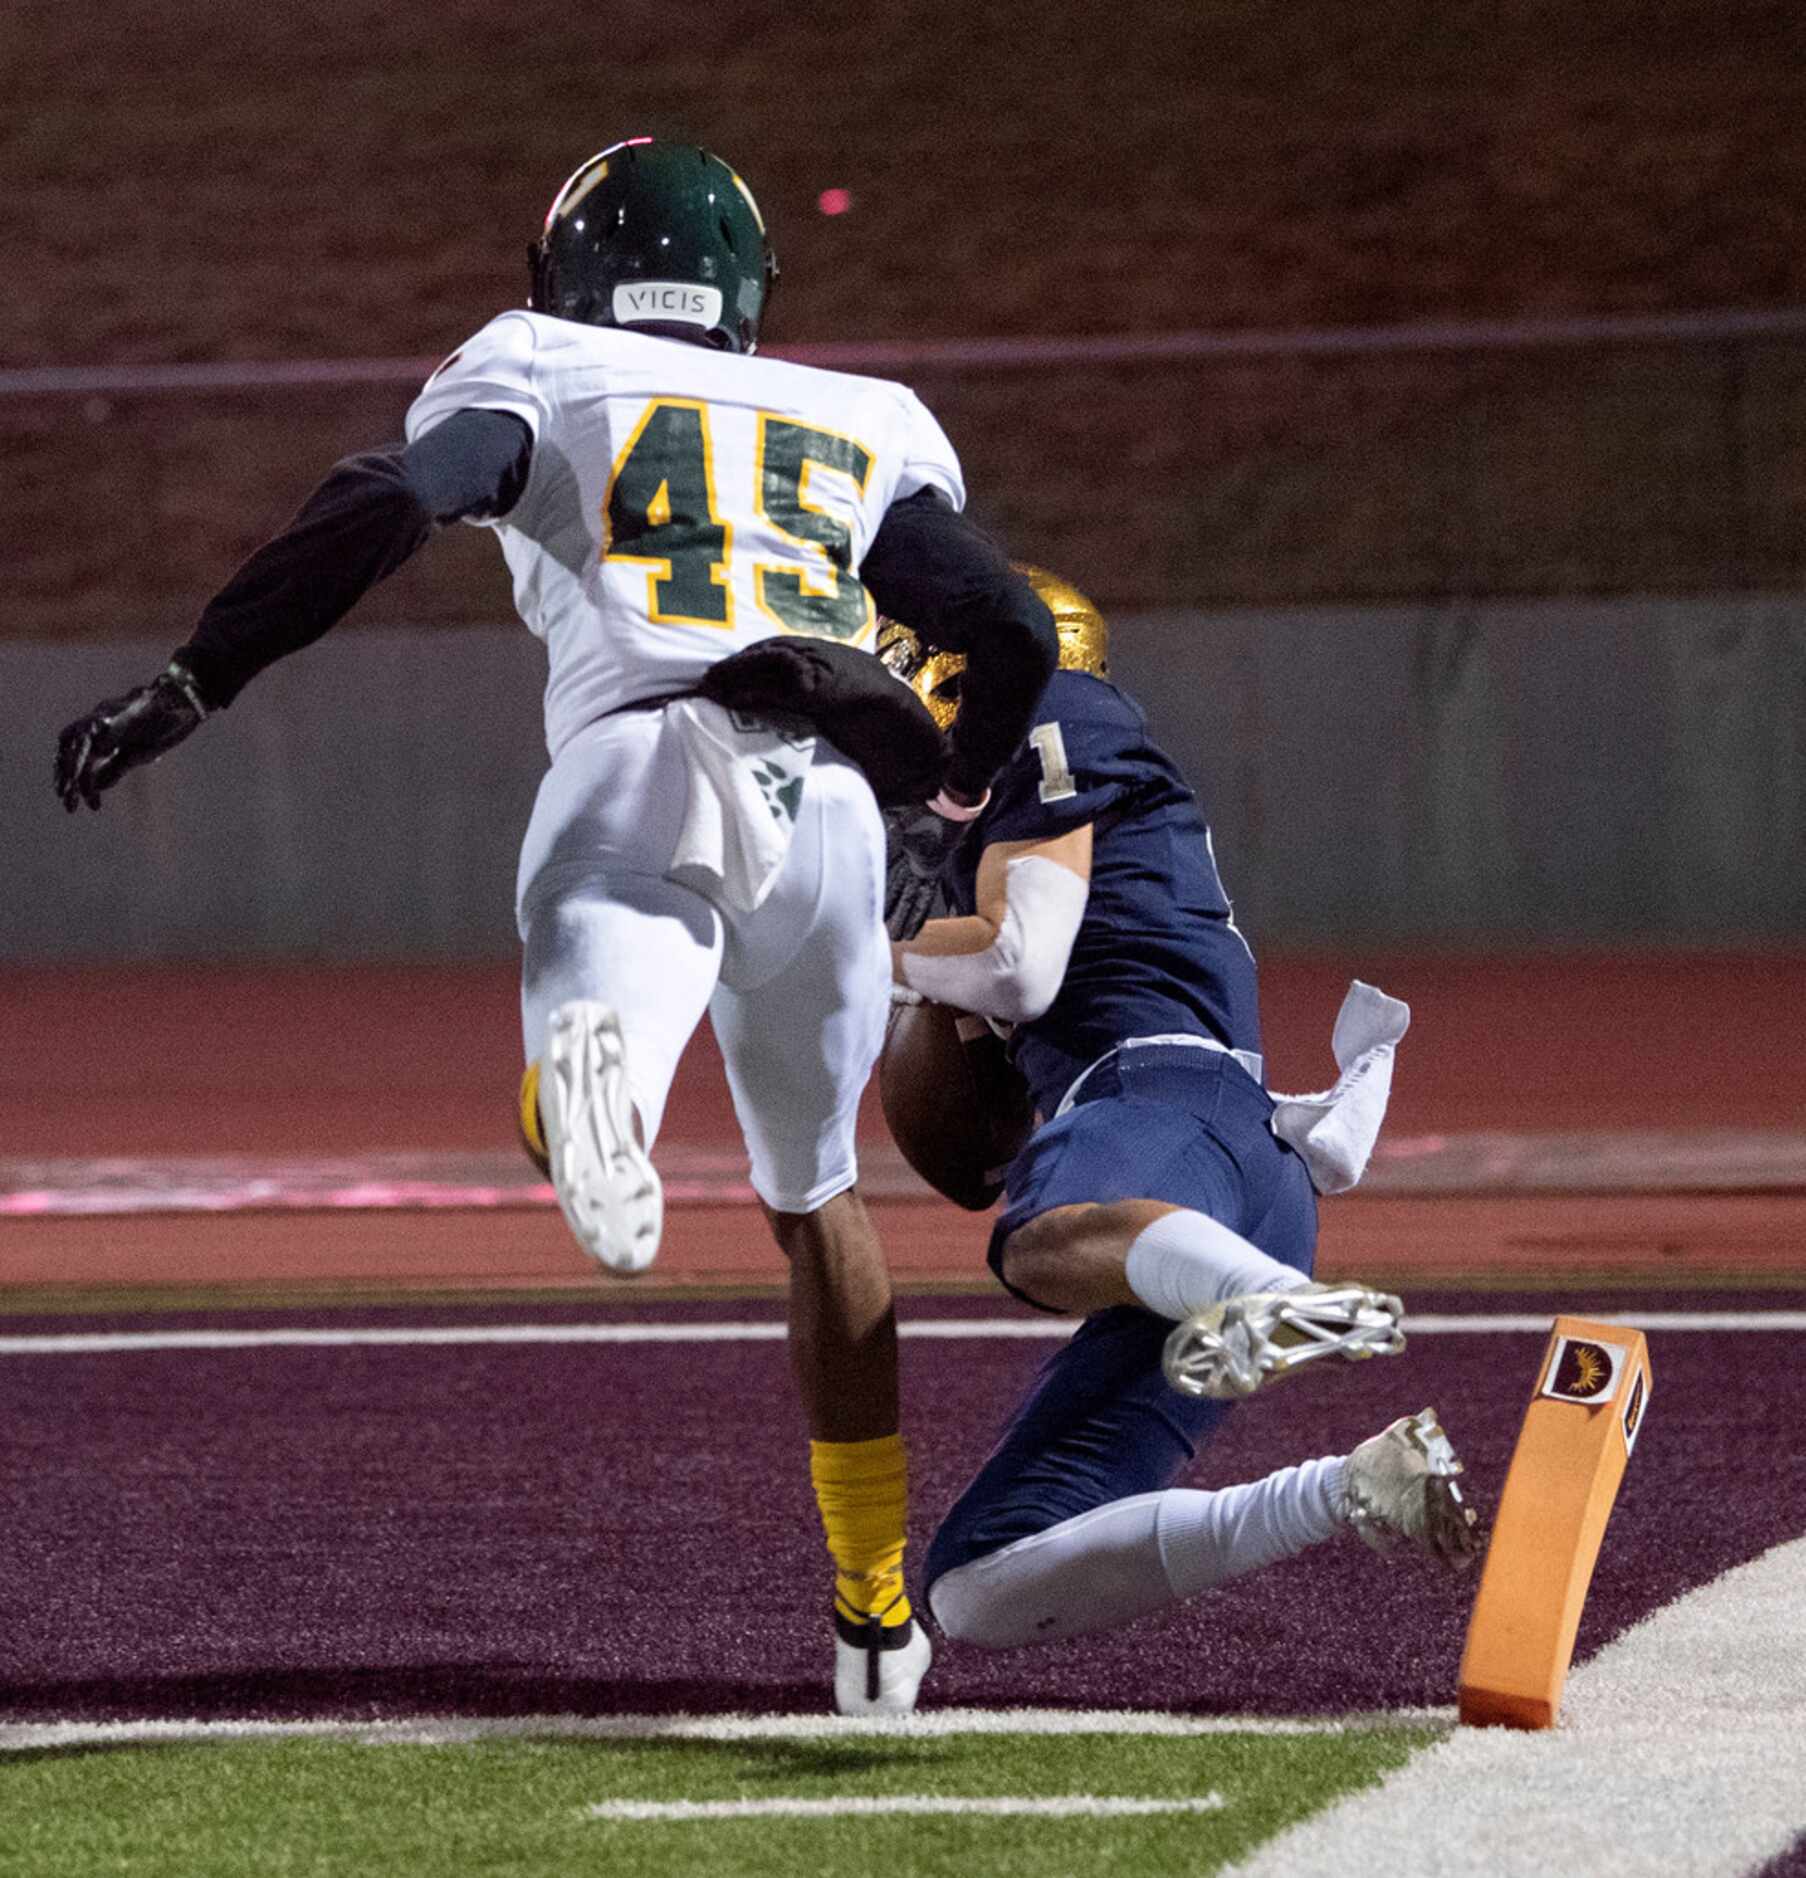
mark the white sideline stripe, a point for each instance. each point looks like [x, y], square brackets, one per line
[107, 1342]
[1474, 1324]
[457, 1730]
[1682, 1748]
[1511, 1323]
[1069, 1806]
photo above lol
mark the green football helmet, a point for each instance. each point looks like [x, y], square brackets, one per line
[658, 237]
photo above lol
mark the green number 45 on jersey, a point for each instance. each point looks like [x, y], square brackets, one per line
[662, 510]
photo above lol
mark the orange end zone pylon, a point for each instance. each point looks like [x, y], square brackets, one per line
[1591, 1394]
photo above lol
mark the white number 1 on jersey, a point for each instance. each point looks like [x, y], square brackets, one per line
[1056, 773]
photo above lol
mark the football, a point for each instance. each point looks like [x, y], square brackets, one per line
[955, 1103]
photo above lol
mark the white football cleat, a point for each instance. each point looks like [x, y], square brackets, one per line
[606, 1186]
[1230, 1350]
[1399, 1488]
[878, 1671]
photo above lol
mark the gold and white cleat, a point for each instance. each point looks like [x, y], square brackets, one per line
[606, 1186]
[1230, 1350]
[1400, 1488]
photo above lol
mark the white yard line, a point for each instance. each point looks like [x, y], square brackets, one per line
[1682, 1749]
[1463, 1324]
[1068, 1806]
[1509, 1323]
[457, 1730]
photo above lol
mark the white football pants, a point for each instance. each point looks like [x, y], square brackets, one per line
[799, 991]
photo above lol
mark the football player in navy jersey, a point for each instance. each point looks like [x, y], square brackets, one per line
[1086, 914]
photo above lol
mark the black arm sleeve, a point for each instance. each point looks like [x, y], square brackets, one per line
[370, 514]
[933, 571]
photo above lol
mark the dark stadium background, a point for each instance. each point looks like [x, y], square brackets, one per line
[188, 182]
[1465, 579]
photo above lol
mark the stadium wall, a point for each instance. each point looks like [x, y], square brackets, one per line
[1432, 464]
[1543, 772]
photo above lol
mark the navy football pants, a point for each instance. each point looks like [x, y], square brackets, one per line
[1162, 1122]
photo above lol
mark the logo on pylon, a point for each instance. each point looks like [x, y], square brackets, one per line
[1583, 1369]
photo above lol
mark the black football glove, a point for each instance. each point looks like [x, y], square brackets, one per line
[95, 751]
[918, 844]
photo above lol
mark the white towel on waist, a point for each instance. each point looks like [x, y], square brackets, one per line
[1336, 1129]
[745, 781]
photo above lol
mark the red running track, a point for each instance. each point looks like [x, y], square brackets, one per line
[312, 1059]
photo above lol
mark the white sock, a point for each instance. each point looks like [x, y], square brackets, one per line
[1135, 1556]
[1208, 1538]
[1186, 1262]
[1090, 1573]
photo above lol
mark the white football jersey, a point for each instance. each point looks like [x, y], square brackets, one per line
[682, 502]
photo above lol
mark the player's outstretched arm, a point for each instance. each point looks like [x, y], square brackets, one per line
[370, 514]
[1007, 959]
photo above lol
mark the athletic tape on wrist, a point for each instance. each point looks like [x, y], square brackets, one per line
[1016, 976]
[951, 811]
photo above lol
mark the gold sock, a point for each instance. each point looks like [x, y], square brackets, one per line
[532, 1129]
[862, 1488]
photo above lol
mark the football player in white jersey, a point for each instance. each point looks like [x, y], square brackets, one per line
[699, 537]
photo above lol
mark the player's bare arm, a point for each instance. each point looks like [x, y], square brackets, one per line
[371, 513]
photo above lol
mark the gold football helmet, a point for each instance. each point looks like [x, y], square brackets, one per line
[934, 676]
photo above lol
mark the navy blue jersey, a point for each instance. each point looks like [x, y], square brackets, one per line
[1157, 953]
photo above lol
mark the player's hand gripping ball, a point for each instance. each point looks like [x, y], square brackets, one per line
[956, 1105]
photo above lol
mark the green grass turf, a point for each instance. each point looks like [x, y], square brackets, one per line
[519, 1805]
